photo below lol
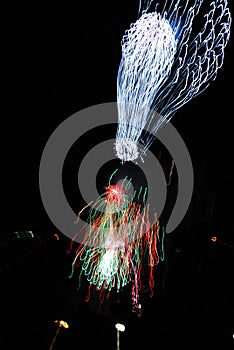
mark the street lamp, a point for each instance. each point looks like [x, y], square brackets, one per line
[60, 324]
[120, 328]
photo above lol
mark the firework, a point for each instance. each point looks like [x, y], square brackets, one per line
[168, 58]
[120, 244]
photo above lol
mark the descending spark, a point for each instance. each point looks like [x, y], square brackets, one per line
[120, 242]
[165, 63]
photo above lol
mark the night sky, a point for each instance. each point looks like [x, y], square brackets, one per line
[66, 58]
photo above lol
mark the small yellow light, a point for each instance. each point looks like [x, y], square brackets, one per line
[56, 236]
[61, 323]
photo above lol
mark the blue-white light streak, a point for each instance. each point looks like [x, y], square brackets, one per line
[165, 63]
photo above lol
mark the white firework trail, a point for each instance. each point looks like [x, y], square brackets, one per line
[165, 63]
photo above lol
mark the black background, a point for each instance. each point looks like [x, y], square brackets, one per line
[65, 57]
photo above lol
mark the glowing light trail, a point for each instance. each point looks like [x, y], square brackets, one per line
[166, 61]
[120, 243]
